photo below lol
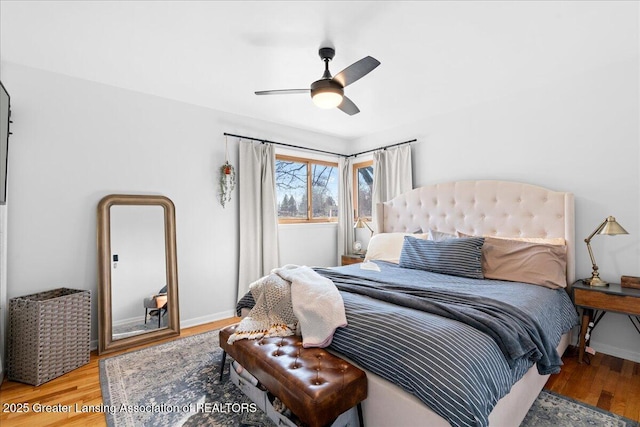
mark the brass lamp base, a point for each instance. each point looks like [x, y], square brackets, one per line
[596, 281]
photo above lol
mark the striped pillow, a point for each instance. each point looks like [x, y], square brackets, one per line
[456, 257]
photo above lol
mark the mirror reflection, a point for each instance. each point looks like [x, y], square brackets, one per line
[138, 289]
[138, 272]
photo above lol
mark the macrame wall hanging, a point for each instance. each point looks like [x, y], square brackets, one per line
[227, 177]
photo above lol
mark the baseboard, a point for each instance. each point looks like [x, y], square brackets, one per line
[190, 323]
[207, 319]
[617, 352]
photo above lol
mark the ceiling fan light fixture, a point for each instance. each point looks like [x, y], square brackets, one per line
[327, 99]
[326, 93]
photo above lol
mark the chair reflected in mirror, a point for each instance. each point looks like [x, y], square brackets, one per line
[156, 305]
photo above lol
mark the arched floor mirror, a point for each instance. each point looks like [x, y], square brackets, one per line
[138, 279]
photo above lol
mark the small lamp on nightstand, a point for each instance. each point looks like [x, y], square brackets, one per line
[360, 223]
[608, 227]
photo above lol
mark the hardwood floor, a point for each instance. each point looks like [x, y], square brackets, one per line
[608, 382]
[80, 386]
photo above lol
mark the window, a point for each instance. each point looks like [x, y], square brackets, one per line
[363, 189]
[306, 189]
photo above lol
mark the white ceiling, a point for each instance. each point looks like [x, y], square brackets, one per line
[436, 56]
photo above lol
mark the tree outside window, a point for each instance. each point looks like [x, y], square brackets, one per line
[363, 189]
[307, 190]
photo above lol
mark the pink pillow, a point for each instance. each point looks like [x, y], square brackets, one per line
[517, 261]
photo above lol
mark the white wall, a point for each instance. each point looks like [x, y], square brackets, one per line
[76, 141]
[308, 244]
[578, 134]
[3, 287]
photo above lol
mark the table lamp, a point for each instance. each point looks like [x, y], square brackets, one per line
[357, 245]
[360, 223]
[608, 227]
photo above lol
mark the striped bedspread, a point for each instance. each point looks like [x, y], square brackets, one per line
[458, 371]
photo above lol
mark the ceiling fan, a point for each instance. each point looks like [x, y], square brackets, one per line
[328, 92]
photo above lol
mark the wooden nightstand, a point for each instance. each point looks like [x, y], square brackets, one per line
[352, 259]
[606, 298]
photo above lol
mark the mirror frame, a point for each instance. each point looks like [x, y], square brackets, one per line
[106, 344]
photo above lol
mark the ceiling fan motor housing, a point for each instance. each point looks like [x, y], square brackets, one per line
[326, 85]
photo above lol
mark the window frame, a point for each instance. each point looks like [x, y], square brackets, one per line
[356, 190]
[309, 162]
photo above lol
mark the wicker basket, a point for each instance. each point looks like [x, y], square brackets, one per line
[49, 334]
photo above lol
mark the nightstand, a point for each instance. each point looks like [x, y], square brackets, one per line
[596, 301]
[352, 259]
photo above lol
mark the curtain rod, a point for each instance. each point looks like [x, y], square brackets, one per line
[283, 144]
[315, 149]
[382, 148]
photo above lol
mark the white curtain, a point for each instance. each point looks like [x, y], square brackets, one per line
[259, 251]
[392, 174]
[345, 206]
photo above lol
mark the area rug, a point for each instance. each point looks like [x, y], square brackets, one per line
[177, 384]
[551, 409]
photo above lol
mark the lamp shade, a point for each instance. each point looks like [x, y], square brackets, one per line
[360, 223]
[611, 227]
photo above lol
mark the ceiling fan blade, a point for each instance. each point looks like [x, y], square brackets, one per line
[282, 91]
[348, 106]
[356, 71]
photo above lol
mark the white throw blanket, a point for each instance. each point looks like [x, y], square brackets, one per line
[317, 304]
[293, 295]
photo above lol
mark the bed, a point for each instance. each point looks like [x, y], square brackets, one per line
[461, 376]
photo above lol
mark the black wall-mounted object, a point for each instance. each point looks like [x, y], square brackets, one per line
[5, 120]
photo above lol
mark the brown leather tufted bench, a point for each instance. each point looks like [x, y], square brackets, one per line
[314, 384]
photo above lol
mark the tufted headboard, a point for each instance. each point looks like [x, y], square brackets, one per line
[484, 208]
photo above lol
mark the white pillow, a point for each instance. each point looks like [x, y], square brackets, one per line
[438, 236]
[388, 246]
